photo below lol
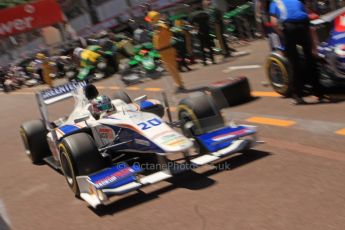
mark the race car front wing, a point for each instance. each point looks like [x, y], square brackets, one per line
[96, 189]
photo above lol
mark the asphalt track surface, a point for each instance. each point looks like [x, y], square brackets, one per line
[295, 180]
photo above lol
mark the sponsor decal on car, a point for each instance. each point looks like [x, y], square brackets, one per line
[230, 135]
[116, 176]
[177, 142]
[106, 133]
[167, 138]
[173, 139]
[62, 89]
[67, 129]
[142, 142]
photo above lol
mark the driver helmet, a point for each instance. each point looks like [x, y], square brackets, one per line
[102, 104]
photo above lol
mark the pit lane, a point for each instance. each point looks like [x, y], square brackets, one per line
[293, 181]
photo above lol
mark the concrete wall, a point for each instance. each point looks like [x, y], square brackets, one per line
[81, 22]
[111, 9]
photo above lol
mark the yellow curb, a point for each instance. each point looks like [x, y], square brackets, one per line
[132, 88]
[153, 89]
[341, 132]
[265, 94]
[271, 121]
[113, 87]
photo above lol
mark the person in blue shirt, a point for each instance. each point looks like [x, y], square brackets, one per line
[290, 20]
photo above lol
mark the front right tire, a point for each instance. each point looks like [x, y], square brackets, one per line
[202, 111]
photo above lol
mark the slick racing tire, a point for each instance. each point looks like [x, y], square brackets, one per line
[122, 96]
[34, 136]
[279, 74]
[202, 112]
[79, 156]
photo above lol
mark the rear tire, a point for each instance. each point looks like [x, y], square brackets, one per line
[279, 74]
[34, 136]
[79, 156]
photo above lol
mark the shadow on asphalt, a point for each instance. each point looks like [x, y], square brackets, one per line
[316, 102]
[190, 180]
[3, 224]
[238, 161]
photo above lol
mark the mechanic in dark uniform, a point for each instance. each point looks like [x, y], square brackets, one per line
[295, 30]
[201, 20]
[180, 46]
[216, 21]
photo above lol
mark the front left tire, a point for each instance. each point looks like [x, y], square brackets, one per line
[79, 156]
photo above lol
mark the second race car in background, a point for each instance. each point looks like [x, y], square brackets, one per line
[330, 37]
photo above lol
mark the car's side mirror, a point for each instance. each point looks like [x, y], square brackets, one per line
[140, 99]
[83, 118]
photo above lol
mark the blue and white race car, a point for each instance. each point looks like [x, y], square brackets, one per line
[329, 35]
[131, 147]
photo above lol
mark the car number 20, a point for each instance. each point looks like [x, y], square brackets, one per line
[149, 124]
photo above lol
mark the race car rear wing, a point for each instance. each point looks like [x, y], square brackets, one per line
[329, 17]
[61, 92]
[50, 96]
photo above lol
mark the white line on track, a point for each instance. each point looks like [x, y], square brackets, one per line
[235, 68]
[240, 53]
[33, 190]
